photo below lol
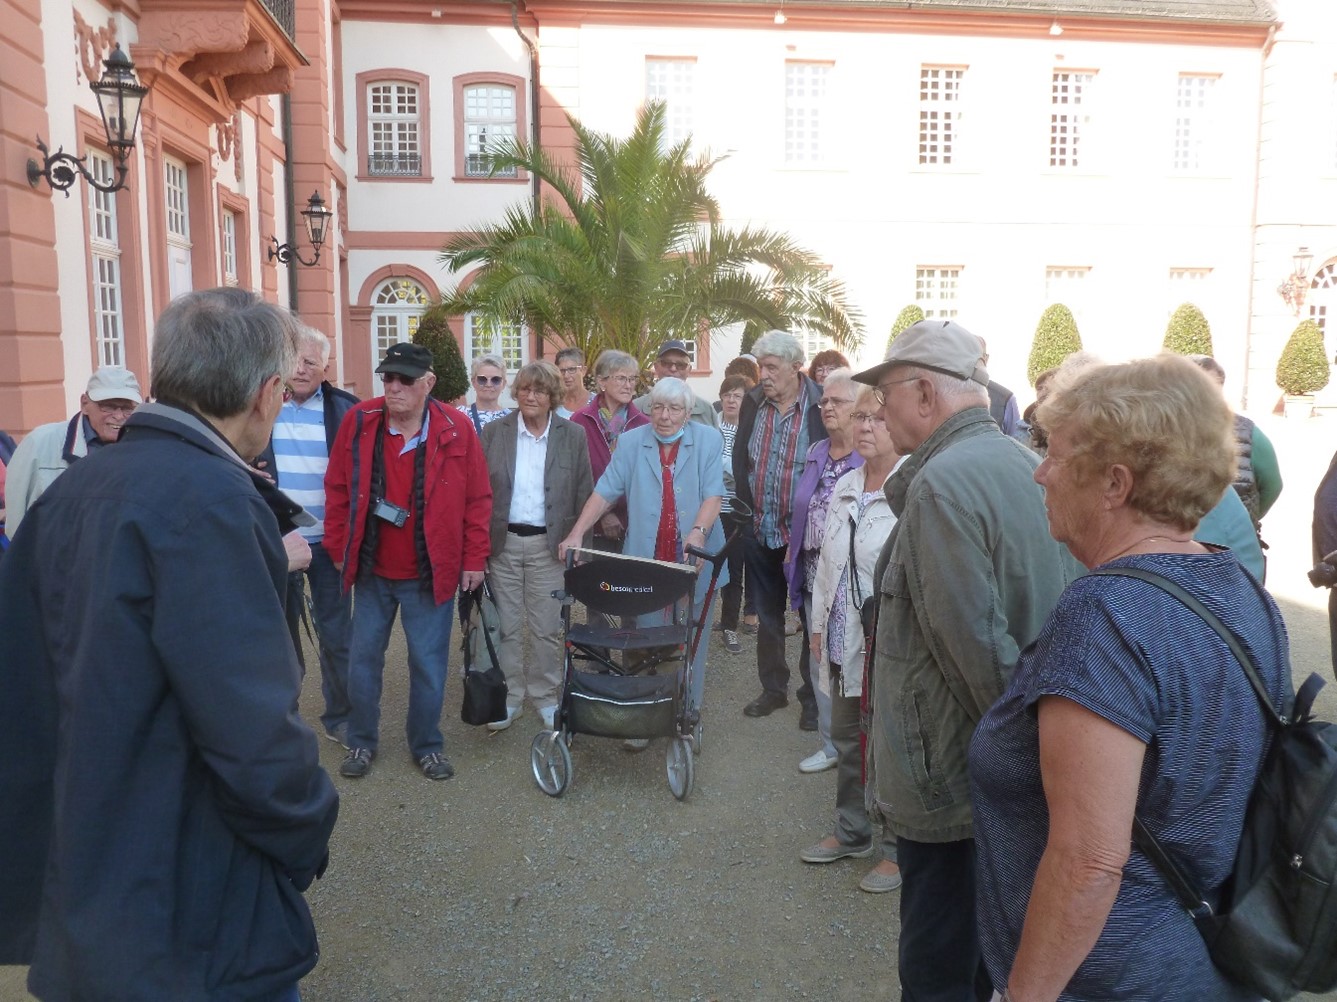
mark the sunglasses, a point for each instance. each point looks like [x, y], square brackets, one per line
[489, 380]
[395, 377]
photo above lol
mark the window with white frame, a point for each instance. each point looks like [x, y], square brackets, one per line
[813, 344]
[105, 247]
[1194, 121]
[176, 194]
[229, 222]
[673, 81]
[1322, 298]
[936, 290]
[394, 126]
[1187, 285]
[396, 308]
[489, 119]
[1069, 116]
[807, 113]
[484, 337]
[1067, 286]
[939, 111]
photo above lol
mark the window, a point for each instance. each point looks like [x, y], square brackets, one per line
[176, 193]
[813, 344]
[939, 110]
[482, 337]
[229, 221]
[672, 81]
[806, 112]
[105, 249]
[1322, 295]
[397, 307]
[1187, 285]
[1193, 121]
[936, 291]
[1068, 117]
[394, 124]
[489, 120]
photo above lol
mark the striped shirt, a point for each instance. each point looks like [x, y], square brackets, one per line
[728, 431]
[301, 456]
[777, 449]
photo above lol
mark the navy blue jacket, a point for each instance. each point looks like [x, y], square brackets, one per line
[164, 807]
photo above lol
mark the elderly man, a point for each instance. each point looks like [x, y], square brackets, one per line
[407, 511]
[966, 579]
[673, 360]
[299, 454]
[49, 450]
[575, 395]
[778, 421]
[141, 624]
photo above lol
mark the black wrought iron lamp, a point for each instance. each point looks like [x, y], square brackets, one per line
[119, 97]
[317, 217]
[1296, 285]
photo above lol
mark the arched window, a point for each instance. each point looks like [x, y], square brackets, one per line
[396, 308]
[510, 341]
[1322, 298]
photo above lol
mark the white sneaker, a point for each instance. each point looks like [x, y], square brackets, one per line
[818, 761]
[549, 715]
[512, 713]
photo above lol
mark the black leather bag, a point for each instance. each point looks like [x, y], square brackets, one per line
[484, 682]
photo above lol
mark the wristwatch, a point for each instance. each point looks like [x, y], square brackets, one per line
[699, 528]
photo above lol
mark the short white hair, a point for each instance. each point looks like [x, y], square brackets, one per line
[672, 390]
[779, 344]
[959, 392]
[309, 335]
[488, 359]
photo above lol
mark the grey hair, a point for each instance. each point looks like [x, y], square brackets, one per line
[309, 335]
[842, 375]
[779, 344]
[214, 349]
[672, 390]
[488, 359]
[960, 393]
[574, 353]
[611, 361]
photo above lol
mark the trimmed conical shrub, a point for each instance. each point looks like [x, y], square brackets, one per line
[1188, 332]
[912, 314]
[1056, 338]
[1303, 366]
[434, 333]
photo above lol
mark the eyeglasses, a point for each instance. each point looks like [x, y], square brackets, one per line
[868, 417]
[880, 394]
[667, 409]
[489, 380]
[824, 370]
[538, 391]
[570, 370]
[833, 401]
[395, 377]
[621, 379]
[112, 407]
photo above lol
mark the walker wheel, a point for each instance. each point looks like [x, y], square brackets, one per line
[551, 763]
[678, 762]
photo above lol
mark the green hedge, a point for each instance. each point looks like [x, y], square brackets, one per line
[1056, 337]
[912, 314]
[1303, 366]
[434, 333]
[1188, 332]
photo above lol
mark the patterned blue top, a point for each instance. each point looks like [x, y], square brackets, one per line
[1137, 657]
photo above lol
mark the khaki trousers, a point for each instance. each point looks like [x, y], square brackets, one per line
[523, 577]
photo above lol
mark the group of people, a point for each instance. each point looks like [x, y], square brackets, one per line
[997, 715]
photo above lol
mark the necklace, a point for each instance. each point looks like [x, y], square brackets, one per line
[1144, 539]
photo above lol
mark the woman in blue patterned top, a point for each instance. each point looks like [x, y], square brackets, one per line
[1127, 703]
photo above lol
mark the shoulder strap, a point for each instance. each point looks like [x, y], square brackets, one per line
[856, 592]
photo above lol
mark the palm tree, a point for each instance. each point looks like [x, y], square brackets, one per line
[630, 251]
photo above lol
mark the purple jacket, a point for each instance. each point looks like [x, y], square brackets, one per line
[818, 453]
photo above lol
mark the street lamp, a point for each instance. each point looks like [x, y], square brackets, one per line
[119, 96]
[1293, 289]
[317, 221]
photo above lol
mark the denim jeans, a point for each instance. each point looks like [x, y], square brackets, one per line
[332, 610]
[427, 629]
[766, 577]
[939, 955]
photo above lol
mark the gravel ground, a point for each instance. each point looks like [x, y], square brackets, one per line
[484, 888]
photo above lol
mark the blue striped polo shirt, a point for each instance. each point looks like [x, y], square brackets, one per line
[301, 456]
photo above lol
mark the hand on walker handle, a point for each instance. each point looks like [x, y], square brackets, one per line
[569, 543]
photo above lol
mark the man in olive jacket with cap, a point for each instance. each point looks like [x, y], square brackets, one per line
[966, 579]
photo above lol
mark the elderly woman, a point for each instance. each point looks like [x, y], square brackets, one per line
[540, 471]
[604, 419]
[827, 461]
[1127, 704]
[732, 390]
[488, 375]
[858, 521]
[824, 363]
[671, 475]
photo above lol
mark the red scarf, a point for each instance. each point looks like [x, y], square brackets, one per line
[666, 539]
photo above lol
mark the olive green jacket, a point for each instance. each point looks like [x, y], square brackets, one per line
[967, 578]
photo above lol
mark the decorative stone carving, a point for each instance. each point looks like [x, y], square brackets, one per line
[187, 34]
[92, 45]
[256, 57]
[276, 81]
[229, 141]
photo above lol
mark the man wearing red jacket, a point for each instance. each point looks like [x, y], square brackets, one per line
[407, 510]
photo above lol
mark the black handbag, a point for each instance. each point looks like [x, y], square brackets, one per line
[484, 682]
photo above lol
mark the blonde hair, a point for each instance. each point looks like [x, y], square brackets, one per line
[1163, 418]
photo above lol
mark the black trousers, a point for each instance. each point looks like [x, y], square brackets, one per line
[939, 956]
[766, 578]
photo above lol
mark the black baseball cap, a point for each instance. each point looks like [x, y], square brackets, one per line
[406, 359]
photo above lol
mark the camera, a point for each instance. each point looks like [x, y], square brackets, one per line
[1324, 573]
[389, 512]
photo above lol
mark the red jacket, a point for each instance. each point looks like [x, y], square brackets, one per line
[457, 494]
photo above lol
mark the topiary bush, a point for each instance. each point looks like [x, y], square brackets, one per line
[1056, 337]
[1303, 366]
[912, 314]
[1188, 332]
[452, 376]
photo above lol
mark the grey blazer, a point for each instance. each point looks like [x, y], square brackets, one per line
[567, 483]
